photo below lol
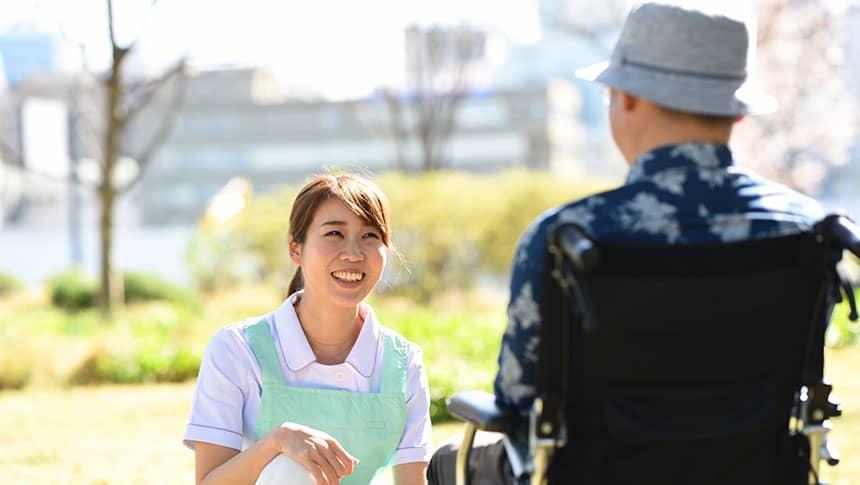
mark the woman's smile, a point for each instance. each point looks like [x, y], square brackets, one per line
[348, 278]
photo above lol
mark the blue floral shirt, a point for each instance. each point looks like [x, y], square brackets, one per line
[688, 193]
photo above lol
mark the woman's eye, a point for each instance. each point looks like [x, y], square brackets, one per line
[333, 233]
[371, 235]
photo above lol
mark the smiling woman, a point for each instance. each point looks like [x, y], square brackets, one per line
[317, 390]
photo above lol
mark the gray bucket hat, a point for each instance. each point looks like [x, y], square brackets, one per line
[683, 59]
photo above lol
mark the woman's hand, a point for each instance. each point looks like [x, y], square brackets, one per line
[318, 452]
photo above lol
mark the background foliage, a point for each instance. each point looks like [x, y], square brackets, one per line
[451, 228]
[164, 340]
[9, 283]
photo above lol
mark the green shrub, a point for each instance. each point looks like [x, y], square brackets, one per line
[460, 343]
[249, 249]
[451, 228]
[73, 290]
[164, 341]
[9, 283]
[215, 258]
[149, 287]
[135, 364]
[16, 367]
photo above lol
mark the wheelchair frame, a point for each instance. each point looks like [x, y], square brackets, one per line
[813, 406]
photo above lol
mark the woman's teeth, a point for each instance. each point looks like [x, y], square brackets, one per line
[348, 276]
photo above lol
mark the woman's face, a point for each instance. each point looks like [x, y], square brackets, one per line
[342, 257]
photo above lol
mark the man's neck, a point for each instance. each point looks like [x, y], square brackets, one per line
[662, 132]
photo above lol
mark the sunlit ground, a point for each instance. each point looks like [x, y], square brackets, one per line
[102, 435]
[132, 434]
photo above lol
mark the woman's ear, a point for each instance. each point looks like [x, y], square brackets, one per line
[295, 251]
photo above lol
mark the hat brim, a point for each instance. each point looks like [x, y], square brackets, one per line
[590, 73]
[701, 96]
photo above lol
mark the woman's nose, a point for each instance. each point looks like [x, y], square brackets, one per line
[352, 251]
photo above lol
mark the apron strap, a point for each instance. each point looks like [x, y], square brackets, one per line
[263, 344]
[394, 359]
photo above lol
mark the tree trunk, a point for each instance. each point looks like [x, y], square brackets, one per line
[107, 192]
[399, 134]
[429, 164]
[426, 135]
[106, 293]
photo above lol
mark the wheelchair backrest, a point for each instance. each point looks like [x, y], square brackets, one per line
[690, 374]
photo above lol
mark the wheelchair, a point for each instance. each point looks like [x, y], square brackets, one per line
[680, 365]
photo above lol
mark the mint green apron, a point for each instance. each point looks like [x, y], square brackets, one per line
[369, 426]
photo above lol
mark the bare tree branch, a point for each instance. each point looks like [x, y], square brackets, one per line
[7, 151]
[111, 33]
[438, 62]
[86, 132]
[82, 52]
[164, 129]
[145, 92]
[398, 130]
[118, 52]
[10, 157]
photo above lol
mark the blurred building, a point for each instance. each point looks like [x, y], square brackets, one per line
[521, 109]
[234, 123]
[23, 56]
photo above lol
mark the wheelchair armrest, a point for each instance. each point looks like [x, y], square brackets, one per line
[479, 408]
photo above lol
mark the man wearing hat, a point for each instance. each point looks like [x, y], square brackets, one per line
[677, 82]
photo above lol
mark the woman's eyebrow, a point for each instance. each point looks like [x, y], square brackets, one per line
[333, 223]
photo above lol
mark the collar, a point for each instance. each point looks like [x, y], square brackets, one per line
[701, 155]
[297, 350]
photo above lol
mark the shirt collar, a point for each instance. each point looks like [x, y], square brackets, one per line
[297, 350]
[702, 155]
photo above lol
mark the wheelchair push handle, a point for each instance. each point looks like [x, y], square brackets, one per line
[847, 234]
[576, 245]
[843, 231]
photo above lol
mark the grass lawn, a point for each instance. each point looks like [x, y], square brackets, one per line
[842, 369]
[102, 435]
[132, 434]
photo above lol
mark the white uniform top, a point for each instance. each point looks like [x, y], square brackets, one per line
[227, 398]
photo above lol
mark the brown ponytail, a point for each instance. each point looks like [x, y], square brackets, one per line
[297, 283]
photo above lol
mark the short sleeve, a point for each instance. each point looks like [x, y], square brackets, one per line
[416, 444]
[515, 380]
[219, 398]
